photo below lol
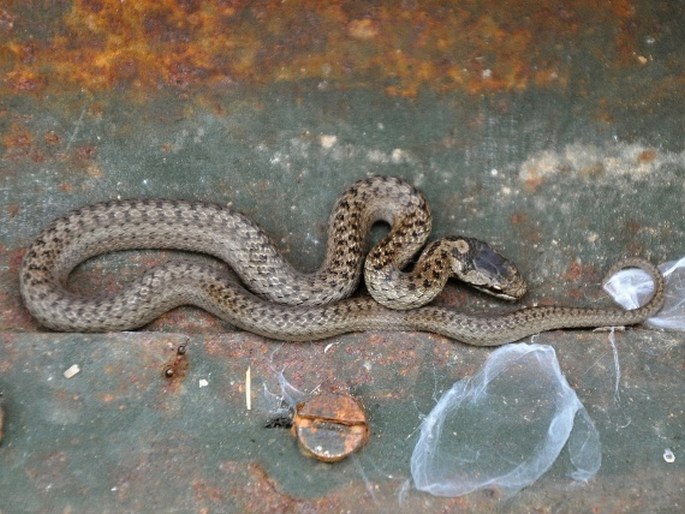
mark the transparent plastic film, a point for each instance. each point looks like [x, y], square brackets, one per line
[632, 287]
[504, 427]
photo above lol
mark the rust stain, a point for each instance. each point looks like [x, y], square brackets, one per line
[15, 258]
[574, 273]
[52, 138]
[525, 226]
[262, 493]
[17, 141]
[445, 46]
[204, 491]
[535, 178]
[12, 210]
[646, 156]
[176, 367]
[362, 29]
[86, 152]
[632, 227]
[519, 218]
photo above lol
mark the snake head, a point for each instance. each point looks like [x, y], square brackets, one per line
[476, 263]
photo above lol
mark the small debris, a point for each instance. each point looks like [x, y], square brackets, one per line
[669, 456]
[1, 417]
[248, 389]
[330, 426]
[284, 421]
[202, 383]
[327, 141]
[72, 371]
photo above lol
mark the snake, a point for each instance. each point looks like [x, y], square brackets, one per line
[256, 289]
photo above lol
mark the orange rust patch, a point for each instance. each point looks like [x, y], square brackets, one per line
[18, 139]
[445, 46]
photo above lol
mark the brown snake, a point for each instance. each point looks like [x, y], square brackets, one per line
[284, 303]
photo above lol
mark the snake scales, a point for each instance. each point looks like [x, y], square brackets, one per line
[283, 303]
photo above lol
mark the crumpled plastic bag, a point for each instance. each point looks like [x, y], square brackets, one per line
[631, 288]
[504, 427]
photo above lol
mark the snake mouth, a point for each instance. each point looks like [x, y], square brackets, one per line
[498, 292]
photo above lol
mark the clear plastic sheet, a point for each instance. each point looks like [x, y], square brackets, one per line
[631, 288]
[504, 427]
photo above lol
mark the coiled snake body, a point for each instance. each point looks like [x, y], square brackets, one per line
[283, 303]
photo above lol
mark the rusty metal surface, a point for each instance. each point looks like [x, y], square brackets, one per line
[396, 48]
[553, 130]
[119, 437]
